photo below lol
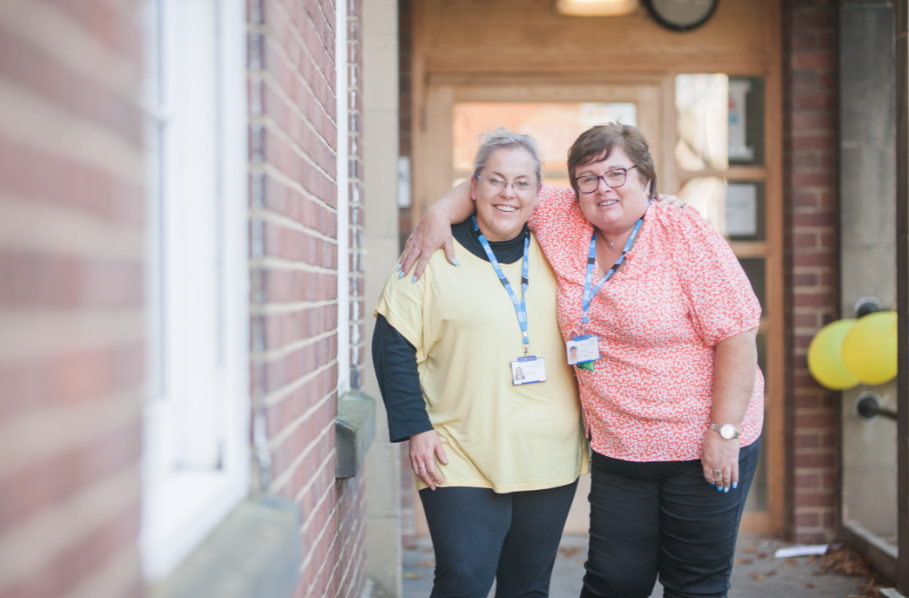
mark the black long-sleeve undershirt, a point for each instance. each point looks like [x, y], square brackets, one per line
[395, 358]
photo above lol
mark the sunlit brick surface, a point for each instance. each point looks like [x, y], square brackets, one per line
[812, 262]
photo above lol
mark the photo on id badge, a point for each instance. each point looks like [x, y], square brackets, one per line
[528, 370]
[582, 348]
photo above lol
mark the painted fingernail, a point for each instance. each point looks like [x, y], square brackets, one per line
[414, 279]
[401, 275]
[719, 488]
[456, 262]
[398, 267]
[735, 485]
[726, 489]
[713, 483]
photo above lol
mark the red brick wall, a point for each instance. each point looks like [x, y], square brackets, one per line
[71, 280]
[294, 265]
[812, 262]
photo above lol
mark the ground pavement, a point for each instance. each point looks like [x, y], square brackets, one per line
[756, 573]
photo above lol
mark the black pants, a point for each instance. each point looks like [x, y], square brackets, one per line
[663, 518]
[480, 536]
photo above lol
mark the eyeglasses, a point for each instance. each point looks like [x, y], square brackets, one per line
[494, 183]
[614, 178]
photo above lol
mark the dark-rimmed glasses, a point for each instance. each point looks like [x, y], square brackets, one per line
[614, 179]
[495, 183]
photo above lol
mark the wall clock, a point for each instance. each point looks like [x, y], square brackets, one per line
[681, 15]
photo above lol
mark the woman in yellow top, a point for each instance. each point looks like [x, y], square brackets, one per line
[473, 372]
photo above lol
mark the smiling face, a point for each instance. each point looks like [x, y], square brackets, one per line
[611, 210]
[502, 212]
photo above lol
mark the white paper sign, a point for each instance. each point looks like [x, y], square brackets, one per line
[741, 209]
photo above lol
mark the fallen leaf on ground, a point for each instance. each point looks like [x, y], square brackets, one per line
[426, 564]
[763, 555]
[791, 563]
[743, 560]
[872, 590]
[409, 575]
[756, 576]
[771, 572]
[750, 549]
[808, 585]
[847, 562]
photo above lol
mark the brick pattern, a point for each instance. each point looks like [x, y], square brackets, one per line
[72, 358]
[294, 269]
[812, 262]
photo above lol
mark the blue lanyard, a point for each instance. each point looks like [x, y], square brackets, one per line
[591, 263]
[519, 306]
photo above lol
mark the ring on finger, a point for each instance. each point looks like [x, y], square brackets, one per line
[422, 467]
[717, 473]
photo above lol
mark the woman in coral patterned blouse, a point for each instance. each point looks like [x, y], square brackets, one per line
[674, 399]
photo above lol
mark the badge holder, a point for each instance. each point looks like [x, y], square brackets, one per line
[528, 370]
[583, 351]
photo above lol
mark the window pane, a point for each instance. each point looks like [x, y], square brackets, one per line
[720, 121]
[762, 353]
[702, 105]
[746, 120]
[735, 210]
[757, 496]
[554, 125]
[754, 268]
[745, 211]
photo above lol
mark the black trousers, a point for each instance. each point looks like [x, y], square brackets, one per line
[662, 518]
[480, 536]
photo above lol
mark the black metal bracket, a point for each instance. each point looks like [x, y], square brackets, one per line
[868, 407]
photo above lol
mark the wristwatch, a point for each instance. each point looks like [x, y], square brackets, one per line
[727, 431]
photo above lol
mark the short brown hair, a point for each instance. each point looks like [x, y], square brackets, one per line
[599, 141]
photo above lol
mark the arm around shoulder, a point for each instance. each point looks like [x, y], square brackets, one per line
[434, 230]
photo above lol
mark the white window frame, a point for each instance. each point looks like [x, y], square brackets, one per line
[196, 420]
[343, 203]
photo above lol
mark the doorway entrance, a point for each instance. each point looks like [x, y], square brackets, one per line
[708, 136]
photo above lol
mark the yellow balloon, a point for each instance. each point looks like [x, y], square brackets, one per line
[869, 348]
[825, 358]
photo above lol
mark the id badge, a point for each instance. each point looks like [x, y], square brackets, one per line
[582, 348]
[528, 370]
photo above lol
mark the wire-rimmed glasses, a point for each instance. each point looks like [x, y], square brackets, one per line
[495, 183]
[614, 179]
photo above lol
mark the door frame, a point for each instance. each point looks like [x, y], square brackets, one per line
[432, 168]
[432, 174]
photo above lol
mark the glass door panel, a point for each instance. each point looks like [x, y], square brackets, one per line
[719, 162]
[554, 125]
[735, 209]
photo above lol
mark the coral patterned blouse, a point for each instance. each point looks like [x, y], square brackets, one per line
[680, 292]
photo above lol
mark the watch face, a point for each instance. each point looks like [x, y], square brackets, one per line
[681, 15]
[727, 431]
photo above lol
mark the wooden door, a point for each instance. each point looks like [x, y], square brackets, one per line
[743, 197]
[457, 111]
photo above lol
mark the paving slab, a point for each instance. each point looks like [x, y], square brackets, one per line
[756, 573]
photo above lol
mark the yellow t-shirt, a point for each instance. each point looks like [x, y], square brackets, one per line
[464, 326]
